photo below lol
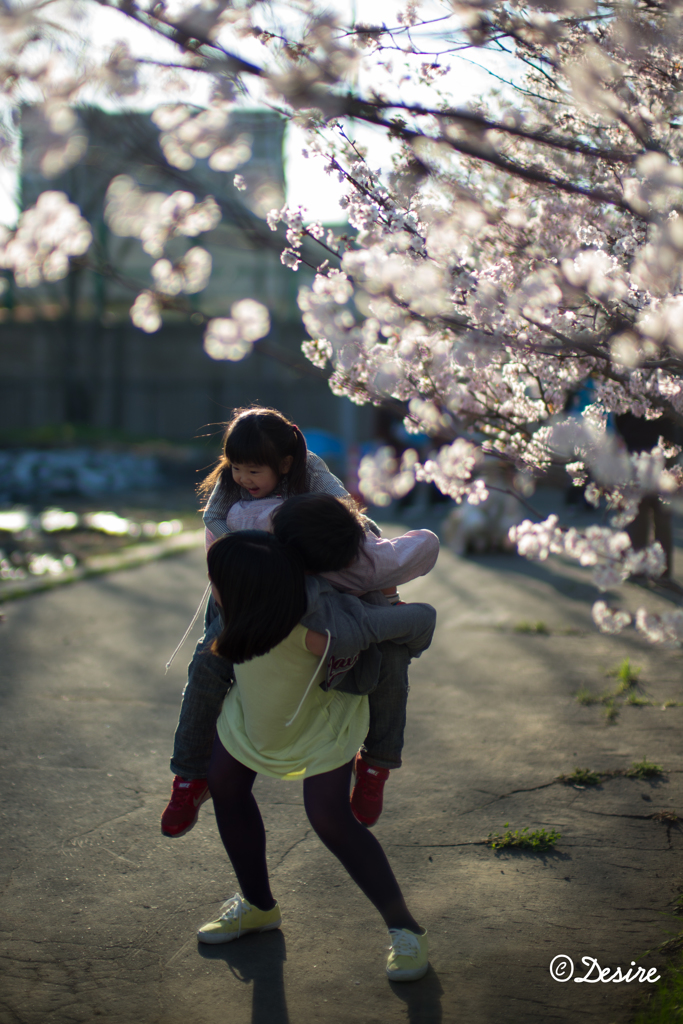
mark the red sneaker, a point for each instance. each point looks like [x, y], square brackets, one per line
[366, 798]
[183, 808]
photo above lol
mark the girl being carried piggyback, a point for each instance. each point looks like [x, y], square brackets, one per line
[265, 457]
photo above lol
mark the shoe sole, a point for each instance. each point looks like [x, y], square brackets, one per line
[368, 824]
[177, 835]
[408, 975]
[215, 938]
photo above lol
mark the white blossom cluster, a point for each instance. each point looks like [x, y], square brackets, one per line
[381, 477]
[612, 559]
[665, 628]
[294, 219]
[146, 312]
[47, 235]
[155, 218]
[451, 471]
[620, 476]
[232, 337]
[659, 628]
[190, 274]
[610, 620]
[608, 552]
[188, 136]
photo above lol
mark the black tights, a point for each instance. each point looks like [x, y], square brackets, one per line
[326, 799]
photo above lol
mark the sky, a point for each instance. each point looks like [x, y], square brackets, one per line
[307, 183]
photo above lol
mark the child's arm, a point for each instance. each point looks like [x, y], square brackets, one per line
[355, 625]
[384, 563]
[248, 515]
[216, 513]
[253, 515]
[321, 480]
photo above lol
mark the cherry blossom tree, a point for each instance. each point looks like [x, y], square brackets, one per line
[520, 246]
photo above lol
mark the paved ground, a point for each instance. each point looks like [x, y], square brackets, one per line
[99, 911]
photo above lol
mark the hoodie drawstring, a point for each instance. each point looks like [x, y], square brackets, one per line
[317, 669]
[189, 628]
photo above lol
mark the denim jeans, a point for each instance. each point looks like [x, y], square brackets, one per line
[209, 678]
[388, 702]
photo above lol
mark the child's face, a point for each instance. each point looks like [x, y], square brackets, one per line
[260, 481]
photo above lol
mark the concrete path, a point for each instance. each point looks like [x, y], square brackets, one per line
[99, 911]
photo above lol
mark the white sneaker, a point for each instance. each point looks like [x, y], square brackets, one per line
[237, 918]
[409, 956]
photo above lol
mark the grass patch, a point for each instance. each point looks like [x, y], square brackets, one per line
[638, 702]
[539, 628]
[587, 697]
[611, 709]
[581, 777]
[644, 770]
[665, 1003]
[626, 674]
[523, 839]
[668, 818]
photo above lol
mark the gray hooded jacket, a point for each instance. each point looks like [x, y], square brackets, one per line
[355, 625]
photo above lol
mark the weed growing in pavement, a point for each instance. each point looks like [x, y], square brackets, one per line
[664, 1004]
[539, 628]
[584, 777]
[664, 1001]
[581, 777]
[587, 697]
[611, 709]
[638, 702]
[668, 817]
[523, 839]
[644, 770]
[626, 675]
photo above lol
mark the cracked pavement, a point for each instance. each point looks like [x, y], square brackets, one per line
[99, 911]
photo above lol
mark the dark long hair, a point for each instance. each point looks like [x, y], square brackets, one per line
[262, 437]
[326, 532]
[262, 589]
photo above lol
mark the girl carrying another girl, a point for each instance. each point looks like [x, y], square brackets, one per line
[265, 461]
[277, 720]
[263, 454]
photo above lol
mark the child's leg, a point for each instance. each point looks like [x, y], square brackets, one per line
[208, 679]
[240, 824]
[244, 838]
[381, 751]
[388, 702]
[326, 799]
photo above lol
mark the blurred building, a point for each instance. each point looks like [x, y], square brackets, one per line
[68, 350]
